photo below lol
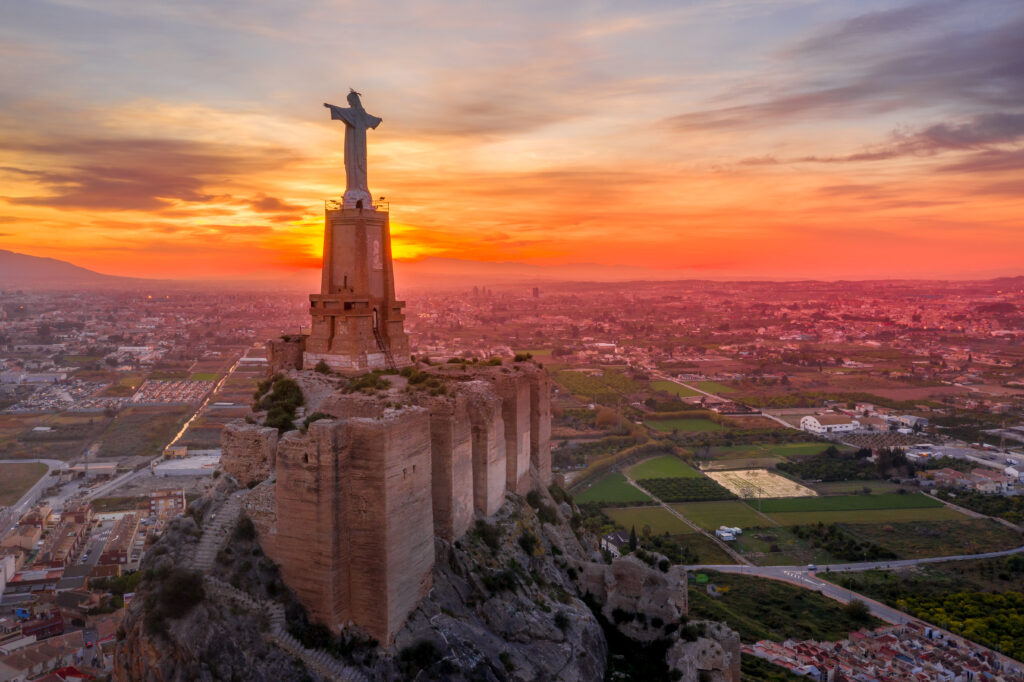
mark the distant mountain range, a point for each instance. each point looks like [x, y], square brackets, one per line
[21, 271]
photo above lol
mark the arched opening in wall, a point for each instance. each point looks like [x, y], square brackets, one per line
[376, 321]
[359, 204]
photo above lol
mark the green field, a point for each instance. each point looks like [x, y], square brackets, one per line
[669, 425]
[667, 466]
[673, 388]
[848, 487]
[938, 538]
[848, 503]
[125, 385]
[768, 609]
[535, 352]
[605, 386]
[658, 519]
[864, 515]
[612, 488]
[712, 515]
[714, 387]
[16, 479]
[205, 376]
[767, 450]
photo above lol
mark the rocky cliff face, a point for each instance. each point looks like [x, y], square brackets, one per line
[520, 597]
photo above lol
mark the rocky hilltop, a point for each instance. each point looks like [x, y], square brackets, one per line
[392, 537]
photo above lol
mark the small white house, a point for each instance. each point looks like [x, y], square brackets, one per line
[821, 424]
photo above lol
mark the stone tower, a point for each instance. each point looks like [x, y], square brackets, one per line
[357, 323]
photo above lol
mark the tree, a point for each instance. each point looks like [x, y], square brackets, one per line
[632, 538]
[857, 610]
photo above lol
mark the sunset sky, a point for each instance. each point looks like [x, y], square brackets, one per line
[727, 139]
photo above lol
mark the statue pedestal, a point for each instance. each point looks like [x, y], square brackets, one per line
[357, 323]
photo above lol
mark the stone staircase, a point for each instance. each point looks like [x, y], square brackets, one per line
[217, 532]
[214, 537]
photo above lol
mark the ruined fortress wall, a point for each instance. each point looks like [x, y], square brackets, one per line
[348, 405]
[451, 459]
[540, 426]
[514, 391]
[488, 439]
[248, 451]
[285, 354]
[390, 519]
[312, 542]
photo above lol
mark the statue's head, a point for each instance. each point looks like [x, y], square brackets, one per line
[353, 98]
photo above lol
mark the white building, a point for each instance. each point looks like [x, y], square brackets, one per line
[828, 423]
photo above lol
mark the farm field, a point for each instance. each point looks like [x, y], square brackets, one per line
[17, 478]
[673, 388]
[938, 538]
[611, 488]
[850, 487]
[849, 503]
[603, 386]
[685, 489]
[126, 385]
[760, 483]
[205, 376]
[707, 549]
[768, 449]
[141, 432]
[658, 519]
[890, 516]
[669, 425]
[712, 515]
[666, 466]
[714, 387]
[779, 546]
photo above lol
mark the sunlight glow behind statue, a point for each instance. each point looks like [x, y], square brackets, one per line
[356, 122]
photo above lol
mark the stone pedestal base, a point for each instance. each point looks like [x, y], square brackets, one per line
[353, 364]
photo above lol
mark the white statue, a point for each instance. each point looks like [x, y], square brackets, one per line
[357, 194]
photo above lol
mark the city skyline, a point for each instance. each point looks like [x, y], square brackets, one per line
[780, 140]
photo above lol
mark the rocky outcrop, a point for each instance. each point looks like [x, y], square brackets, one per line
[714, 657]
[641, 600]
[248, 452]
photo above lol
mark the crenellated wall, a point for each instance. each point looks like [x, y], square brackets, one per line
[359, 498]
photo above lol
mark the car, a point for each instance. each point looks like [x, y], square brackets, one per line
[812, 567]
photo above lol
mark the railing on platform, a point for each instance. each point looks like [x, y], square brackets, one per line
[378, 205]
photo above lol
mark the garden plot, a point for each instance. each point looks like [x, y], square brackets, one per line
[759, 483]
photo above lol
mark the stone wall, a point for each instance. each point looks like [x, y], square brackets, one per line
[286, 353]
[357, 500]
[451, 457]
[248, 451]
[488, 445]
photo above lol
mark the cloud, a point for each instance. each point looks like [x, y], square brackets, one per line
[137, 174]
[978, 68]
[868, 27]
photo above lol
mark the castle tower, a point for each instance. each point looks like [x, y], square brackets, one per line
[357, 322]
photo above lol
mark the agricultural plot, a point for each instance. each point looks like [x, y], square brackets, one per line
[17, 478]
[713, 515]
[613, 488]
[141, 432]
[685, 489]
[920, 539]
[714, 387]
[853, 487]
[673, 388]
[659, 520]
[884, 516]
[759, 483]
[603, 386]
[666, 466]
[850, 503]
[205, 376]
[695, 425]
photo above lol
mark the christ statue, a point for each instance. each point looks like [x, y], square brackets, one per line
[356, 122]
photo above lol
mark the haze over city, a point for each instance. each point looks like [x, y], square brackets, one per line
[783, 139]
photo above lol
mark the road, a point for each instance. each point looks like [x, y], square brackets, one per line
[802, 577]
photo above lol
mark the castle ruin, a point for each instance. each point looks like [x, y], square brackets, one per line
[349, 507]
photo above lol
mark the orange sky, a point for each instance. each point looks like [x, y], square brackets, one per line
[787, 139]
